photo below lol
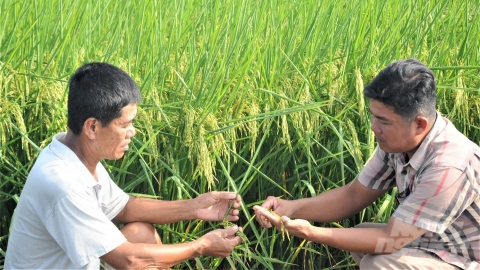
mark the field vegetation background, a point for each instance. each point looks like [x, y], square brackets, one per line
[257, 97]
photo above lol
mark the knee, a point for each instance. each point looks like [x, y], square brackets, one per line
[367, 262]
[141, 232]
[371, 261]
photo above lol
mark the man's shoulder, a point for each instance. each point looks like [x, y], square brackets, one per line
[49, 166]
[52, 176]
[450, 147]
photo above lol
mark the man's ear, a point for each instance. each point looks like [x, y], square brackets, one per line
[90, 127]
[421, 124]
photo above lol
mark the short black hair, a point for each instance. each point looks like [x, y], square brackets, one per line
[407, 86]
[101, 91]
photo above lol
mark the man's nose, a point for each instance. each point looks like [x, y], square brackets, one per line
[374, 126]
[131, 132]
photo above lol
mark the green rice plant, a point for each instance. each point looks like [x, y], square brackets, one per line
[257, 97]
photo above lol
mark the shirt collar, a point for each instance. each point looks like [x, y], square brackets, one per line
[72, 161]
[418, 158]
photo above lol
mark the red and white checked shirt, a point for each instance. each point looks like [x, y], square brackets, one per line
[438, 190]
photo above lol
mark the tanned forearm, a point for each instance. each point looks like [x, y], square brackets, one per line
[155, 211]
[336, 204]
[217, 243]
[372, 239]
[326, 207]
[361, 240]
[381, 239]
[141, 256]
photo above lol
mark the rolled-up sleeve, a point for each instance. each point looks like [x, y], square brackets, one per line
[379, 171]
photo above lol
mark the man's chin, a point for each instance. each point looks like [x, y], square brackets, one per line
[384, 147]
[389, 150]
[117, 157]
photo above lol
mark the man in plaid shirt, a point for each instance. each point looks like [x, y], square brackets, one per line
[434, 167]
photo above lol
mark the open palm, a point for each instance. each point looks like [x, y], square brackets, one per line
[213, 206]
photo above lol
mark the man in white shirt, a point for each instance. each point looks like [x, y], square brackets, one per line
[64, 217]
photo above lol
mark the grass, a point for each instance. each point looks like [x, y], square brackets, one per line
[258, 97]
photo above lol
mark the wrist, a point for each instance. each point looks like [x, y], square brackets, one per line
[193, 208]
[292, 208]
[198, 246]
[307, 232]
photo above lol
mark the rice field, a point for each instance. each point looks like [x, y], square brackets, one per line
[257, 97]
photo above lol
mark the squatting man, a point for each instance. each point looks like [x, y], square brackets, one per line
[67, 209]
[435, 168]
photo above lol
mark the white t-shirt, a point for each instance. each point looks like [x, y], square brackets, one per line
[63, 218]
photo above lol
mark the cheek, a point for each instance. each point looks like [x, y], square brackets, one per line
[392, 135]
[115, 136]
[400, 136]
[118, 138]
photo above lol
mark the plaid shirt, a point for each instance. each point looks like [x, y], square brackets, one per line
[438, 190]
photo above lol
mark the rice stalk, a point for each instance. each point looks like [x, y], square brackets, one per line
[359, 93]
[353, 136]
[12, 114]
[461, 104]
[252, 126]
[284, 126]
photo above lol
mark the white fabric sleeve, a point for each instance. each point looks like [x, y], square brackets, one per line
[82, 230]
[113, 200]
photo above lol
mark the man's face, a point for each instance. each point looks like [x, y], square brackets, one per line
[392, 133]
[113, 139]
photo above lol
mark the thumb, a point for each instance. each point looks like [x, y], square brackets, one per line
[231, 231]
[225, 195]
[286, 220]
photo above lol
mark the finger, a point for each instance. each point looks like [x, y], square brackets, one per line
[234, 241]
[258, 213]
[233, 215]
[268, 204]
[265, 223]
[256, 207]
[263, 216]
[259, 217]
[265, 213]
[236, 204]
[225, 195]
[230, 231]
[238, 240]
[232, 218]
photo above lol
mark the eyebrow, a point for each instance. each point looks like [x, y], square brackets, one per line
[379, 117]
[131, 120]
